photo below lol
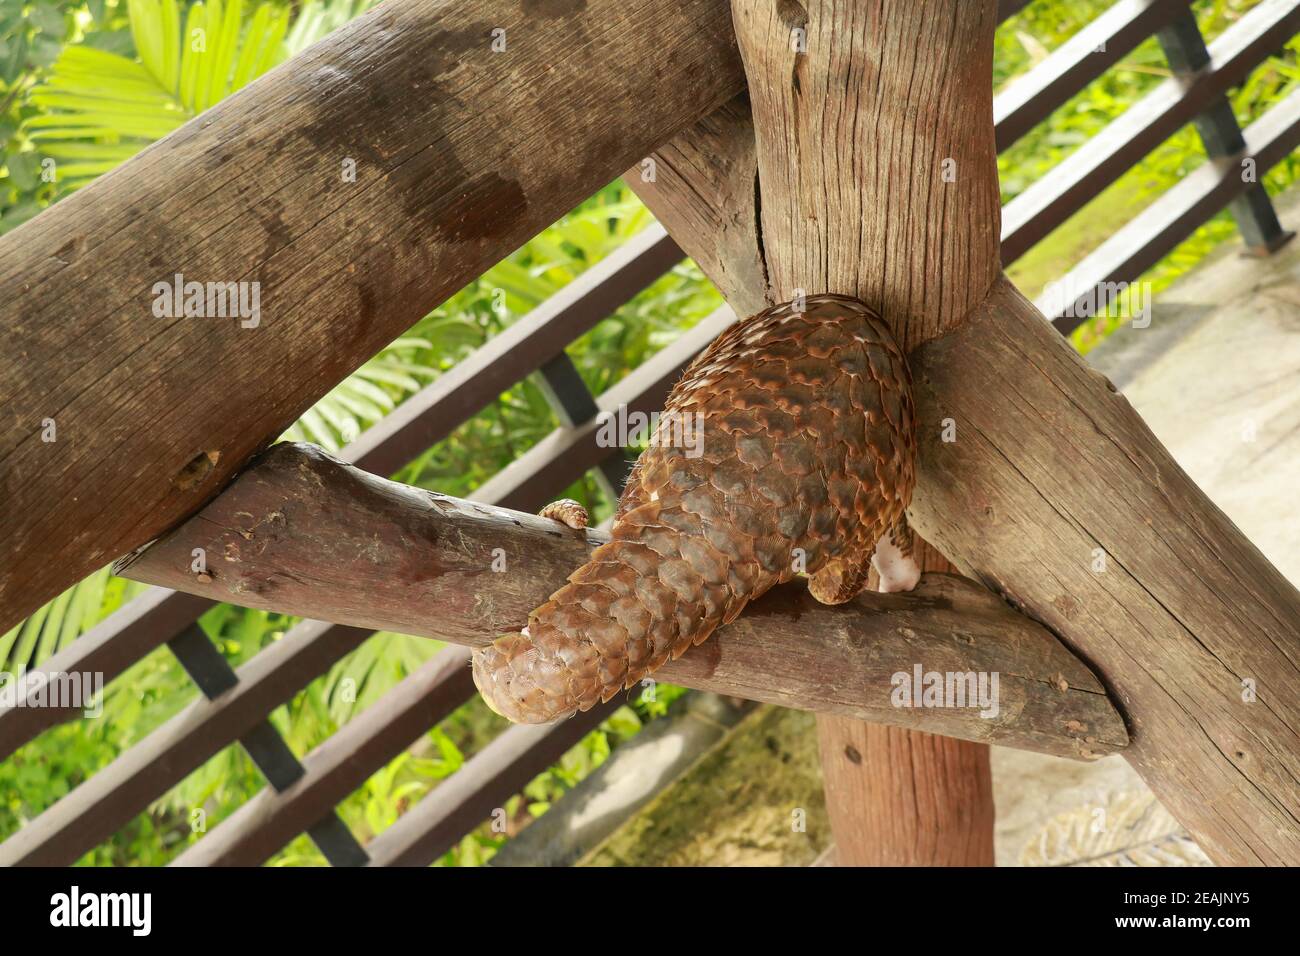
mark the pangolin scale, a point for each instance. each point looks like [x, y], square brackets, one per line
[806, 463]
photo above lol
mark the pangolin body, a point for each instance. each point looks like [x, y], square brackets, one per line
[806, 462]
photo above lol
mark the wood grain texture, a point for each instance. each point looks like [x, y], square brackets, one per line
[304, 534]
[461, 154]
[853, 196]
[1053, 475]
[876, 153]
[705, 190]
[900, 797]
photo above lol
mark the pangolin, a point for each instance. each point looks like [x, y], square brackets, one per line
[806, 464]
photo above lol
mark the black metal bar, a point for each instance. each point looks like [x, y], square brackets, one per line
[1009, 8]
[574, 405]
[1185, 50]
[214, 676]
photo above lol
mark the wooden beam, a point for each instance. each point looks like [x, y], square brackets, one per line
[894, 795]
[461, 153]
[900, 797]
[304, 534]
[878, 173]
[1056, 495]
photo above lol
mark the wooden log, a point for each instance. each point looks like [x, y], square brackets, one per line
[901, 797]
[894, 795]
[302, 533]
[876, 161]
[460, 154]
[1050, 469]
[1056, 495]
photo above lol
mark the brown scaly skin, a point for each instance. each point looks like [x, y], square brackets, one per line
[809, 445]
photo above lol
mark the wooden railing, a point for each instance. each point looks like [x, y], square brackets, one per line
[302, 795]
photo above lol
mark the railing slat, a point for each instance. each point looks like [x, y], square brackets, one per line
[1082, 175]
[1170, 219]
[268, 821]
[108, 648]
[491, 776]
[1030, 99]
[574, 405]
[263, 743]
[100, 806]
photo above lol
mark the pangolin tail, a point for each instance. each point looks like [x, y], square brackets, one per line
[642, 599]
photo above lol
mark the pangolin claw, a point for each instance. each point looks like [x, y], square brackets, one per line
[567, 512]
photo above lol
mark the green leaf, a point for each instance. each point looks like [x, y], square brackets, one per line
[24, 169]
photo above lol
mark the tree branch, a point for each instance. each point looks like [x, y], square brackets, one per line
[304, 534]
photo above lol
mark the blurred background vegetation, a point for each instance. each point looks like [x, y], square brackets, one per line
[85, 84]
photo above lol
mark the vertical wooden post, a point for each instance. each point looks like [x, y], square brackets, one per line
[877, 177]
[871, 176]
[899, 797]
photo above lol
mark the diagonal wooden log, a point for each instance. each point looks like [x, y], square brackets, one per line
[357, 185]
[302, 533]
[1053, 493]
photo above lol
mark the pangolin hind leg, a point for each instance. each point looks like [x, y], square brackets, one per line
[894, 559]
[843, 578]
[807, 457]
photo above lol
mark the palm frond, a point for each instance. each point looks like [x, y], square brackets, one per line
[98, 108]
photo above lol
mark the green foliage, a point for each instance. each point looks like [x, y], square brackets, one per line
[88, 84]
[1025, 40]
[32, 36]
[96, 102]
